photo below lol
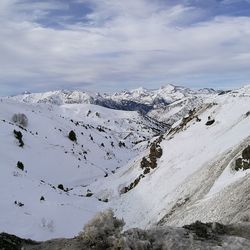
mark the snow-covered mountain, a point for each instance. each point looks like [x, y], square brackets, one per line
[162, 96]
[138, 99]
[198, 169]
[196, 178]
[105, 141]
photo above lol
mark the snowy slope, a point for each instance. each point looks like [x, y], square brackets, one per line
[50, 159]
[173, 112]
[195, 177]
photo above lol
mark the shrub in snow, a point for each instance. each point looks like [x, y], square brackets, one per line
[60, 186]
[122, 144]
[19, 137]
[146, 171]
[18, 203]
[210, 121]
[244, 161]
[102, 232]
[246, 153]
[72, 135]
[145, 163]
[20, 119]
[89, 112]
[20, 165]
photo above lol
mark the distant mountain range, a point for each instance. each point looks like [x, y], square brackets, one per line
[140, 99]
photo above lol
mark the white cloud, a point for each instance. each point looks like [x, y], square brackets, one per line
[122, 42]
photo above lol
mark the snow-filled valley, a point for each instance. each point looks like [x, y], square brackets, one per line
[170, 165]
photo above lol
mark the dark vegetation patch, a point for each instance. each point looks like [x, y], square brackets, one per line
[243, 162]
[19, 137]
[20, 165]
[72, 136]
[147, 164]
[210, 122]
[12, 242]
[208, 231]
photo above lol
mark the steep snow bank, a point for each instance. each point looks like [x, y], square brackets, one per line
[196, 164]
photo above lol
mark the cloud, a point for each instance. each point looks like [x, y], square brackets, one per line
[113, 44]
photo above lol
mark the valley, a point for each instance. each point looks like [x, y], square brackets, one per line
[168, 166]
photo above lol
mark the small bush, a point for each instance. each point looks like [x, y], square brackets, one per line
[244, 161]
[102, 232]
[20, 165]
[122, 144]
[60, 186]
[89, 194]
[19, 137]
[20, 119]
[18, 203]
[246, 153]
[146, 171]
[210, 122]
[72, 136]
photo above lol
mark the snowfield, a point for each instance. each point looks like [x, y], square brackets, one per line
[50, 159]
[194, 178]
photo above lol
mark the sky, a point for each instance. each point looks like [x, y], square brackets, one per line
[109, 45]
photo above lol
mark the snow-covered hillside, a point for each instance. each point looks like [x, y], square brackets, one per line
[195, 178]
[106, 140]
[119, 160]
